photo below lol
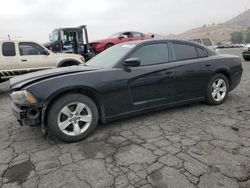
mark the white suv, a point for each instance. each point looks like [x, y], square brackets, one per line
[205, 41]
[19, 57]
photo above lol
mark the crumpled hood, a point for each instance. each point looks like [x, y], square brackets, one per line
[21, 81]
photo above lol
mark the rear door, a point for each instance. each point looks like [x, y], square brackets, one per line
[31, 56]
[8, 59]
[193, 70]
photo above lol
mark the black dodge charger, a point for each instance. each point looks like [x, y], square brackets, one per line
[125, 80]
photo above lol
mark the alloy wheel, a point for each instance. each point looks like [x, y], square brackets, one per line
[219, 90]
[74, 119]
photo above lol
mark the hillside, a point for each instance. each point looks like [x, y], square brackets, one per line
[242, 20]
[218, 33]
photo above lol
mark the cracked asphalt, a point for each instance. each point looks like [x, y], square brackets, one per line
[190, 146]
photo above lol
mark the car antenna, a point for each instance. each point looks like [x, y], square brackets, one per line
[9, 36]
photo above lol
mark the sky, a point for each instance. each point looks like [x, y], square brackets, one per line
[35, 19]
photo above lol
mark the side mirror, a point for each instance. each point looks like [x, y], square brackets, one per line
[132, 62]
[45, 52]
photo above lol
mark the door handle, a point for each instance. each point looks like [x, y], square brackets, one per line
[23, 60]
[169, 73]
[208, 65]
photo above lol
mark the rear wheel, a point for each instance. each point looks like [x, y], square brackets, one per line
[72, 117]
[217, 90]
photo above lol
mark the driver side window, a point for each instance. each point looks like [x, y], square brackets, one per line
[128, 34]
[27, 48]
[152, 54]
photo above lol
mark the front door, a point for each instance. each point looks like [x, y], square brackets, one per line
[151, 83]
[32, 57]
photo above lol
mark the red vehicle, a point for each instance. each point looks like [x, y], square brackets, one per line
[101, 45]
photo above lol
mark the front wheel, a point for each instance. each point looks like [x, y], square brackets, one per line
[72, 117]
[217, 90]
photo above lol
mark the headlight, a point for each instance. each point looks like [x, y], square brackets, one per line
[23, 98]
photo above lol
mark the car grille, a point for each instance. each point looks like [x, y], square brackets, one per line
[10, 74]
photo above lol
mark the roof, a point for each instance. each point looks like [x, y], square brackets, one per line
[151, 41]
[159, 40]
[15, 40]
[80, 28]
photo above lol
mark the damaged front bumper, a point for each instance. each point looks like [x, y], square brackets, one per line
[27, 116]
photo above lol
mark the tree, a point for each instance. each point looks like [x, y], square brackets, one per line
[236, 37]
[247, 39]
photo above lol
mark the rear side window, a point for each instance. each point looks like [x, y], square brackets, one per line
[184, 51]
[152, 54]
[8, 49]
[201, 52]
[128, 34]
[137, 35]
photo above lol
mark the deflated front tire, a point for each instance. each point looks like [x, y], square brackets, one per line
[72, 117]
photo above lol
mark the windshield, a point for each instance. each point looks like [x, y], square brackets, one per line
[111, 56]
[54, 36]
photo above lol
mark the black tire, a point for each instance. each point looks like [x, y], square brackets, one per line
[246, 58]
[68, 63]
[3, 80]
[55, 113]
[108, 46]
[209, 95]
